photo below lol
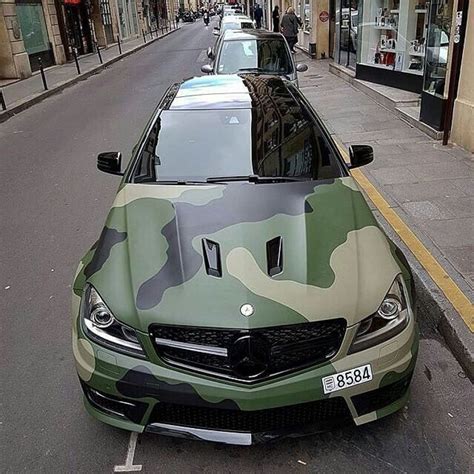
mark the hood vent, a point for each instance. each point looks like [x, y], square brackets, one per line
[275, 256]
[212, 257]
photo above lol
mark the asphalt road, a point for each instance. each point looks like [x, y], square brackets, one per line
[53, 205]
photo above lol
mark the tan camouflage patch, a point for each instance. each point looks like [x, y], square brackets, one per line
[350, 183]
[375, 262]
[76, 303]
[85, 359]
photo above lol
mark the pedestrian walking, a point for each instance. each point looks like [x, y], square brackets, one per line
[276, 19]
[289, 27]
[258, 14]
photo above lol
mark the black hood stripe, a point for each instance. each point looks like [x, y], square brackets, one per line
[240, 203]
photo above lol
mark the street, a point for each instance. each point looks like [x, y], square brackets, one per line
[54, 203]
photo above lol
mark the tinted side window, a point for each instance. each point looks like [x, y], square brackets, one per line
[289, 142]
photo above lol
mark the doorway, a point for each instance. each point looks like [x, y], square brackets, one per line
[332, 27]
[304, 12]
[348, 24]
[35, 34]
[78, 27]
[127, 18]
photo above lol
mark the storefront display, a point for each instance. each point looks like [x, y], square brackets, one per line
[394, 34]
[399, 43]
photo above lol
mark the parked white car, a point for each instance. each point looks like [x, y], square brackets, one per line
[234, 22]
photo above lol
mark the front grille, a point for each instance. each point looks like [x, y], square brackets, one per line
[381, 397]
[320, 414]
[249, 354]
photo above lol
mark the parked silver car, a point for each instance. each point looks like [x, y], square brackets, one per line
[255, 51]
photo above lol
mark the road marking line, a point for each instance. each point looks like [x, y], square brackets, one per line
[438, 274]
[129, 466]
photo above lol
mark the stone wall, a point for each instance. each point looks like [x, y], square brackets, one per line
[51, 19]
[462, 130]
[14, 62]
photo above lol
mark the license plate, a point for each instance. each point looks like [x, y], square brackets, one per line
[346, 379]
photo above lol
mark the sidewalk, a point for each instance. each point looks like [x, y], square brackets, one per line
[22, 94]
[428, 186]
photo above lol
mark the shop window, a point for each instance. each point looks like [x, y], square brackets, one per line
[394, 34]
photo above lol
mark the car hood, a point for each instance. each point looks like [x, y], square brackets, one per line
[157, 261]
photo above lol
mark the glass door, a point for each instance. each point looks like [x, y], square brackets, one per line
[304, 13]
[348, 26]
[439, 30]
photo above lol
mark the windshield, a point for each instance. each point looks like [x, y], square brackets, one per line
[268, 56]
[236, 25]
[197, 145]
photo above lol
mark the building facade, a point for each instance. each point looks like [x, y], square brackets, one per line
[410, 45]
[29, 33]
[313, 36]
[50, 30]
[462, 128]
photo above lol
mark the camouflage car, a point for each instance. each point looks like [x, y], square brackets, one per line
[241, 289]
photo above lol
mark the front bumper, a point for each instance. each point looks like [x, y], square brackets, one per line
[147, 395]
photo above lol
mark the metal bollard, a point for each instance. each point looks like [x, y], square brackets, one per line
[74, 53]
[2, 100]
[162, 28]
[43, 77]
[144, 38]
[151, 33]
[119, 45]
[98, 53]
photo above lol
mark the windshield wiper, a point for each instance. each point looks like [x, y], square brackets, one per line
[251, 69]
[253, 178]
[178, 181]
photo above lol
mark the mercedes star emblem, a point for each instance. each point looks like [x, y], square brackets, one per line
[246, 310]
[249, 356]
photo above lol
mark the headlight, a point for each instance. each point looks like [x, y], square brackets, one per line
[391, 319]
[100, 325]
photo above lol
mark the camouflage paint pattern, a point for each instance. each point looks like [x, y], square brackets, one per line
[148, 267]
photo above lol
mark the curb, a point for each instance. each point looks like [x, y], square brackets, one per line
[33, 99]
[435, 312]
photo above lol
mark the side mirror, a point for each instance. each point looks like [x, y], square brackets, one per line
[206, 69]
[360, 155]
[210, 54]
[110, 162]
[301, 67]
[216, 31]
